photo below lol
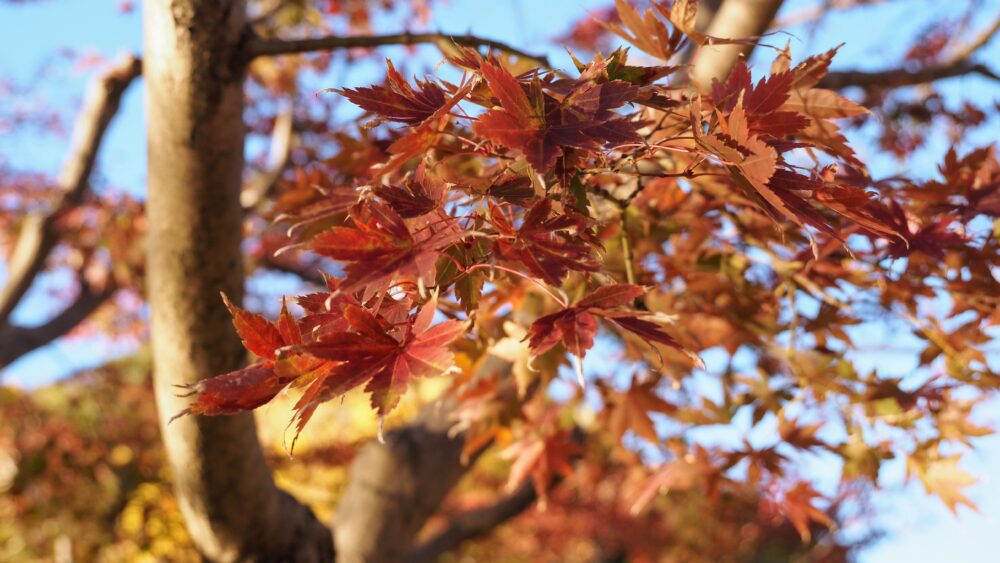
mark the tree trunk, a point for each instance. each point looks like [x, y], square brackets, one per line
[735, 19]
[194, 66]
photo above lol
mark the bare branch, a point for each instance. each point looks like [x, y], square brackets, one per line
[266, 47]
[261, 186]
[474, 523]
[306, 274]
[900, 77]
[480, 521]
[735, 19]
[959, 64]
[981, 40]
[39, 234]
[18, 341]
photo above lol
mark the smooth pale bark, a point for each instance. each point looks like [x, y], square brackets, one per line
[194, 68]
[735, 19]
[394, 488]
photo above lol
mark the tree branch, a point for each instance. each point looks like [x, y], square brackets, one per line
[897, 78]
[480, 521]
[268, 47]
[194, 71]
[257, 190]
[39, 234]
[18, 341]
[474, 523]
[311, 275]
[735, 19]
[959, 64]
[981, 40]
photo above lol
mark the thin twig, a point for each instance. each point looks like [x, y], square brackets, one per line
[959, 64]
[269, 47]
[627, 248]
[258, 189]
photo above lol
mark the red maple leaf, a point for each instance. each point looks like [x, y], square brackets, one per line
[419, 194]
[542, 459]
[252, 386]
[549, 247]
[542, 125]
[398, 100]
[576, 326]
[384, 356]
[380, 246]
[630, 409]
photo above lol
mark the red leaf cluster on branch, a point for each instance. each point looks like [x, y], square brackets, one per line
[491, 201]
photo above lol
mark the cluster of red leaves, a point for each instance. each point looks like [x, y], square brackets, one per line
[341, 343]
[647, 199]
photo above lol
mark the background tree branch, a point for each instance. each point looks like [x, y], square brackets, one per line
[474, 523]
[958, 64]
[265, 47]
[16, 341]
[393, 488]
[735, 19]
[39, 234]
[260, 187]
[897, 78]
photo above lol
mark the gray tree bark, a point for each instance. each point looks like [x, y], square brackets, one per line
[194, 67]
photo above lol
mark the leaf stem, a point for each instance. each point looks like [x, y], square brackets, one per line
[537, 282]
[627, 248]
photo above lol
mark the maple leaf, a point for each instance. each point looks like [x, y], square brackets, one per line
[683, 14]
[255, 385]
[384, 356]
[398, 100]
[259, 335]
[237, 391]
[542, 459]
[907, 235]
[941, 476]
[549, 246]
[682, 474]
[810, 71]
[818, 103]
[860, 206]
[420, 194]
[311, 201]
[799, 436]
[541, 126]
[753, 164]
[380, 246]
[646, 31]
[769, 95]
[615, 67]
[630, 410]
[576, 326]
[424, 136]
[797, 506]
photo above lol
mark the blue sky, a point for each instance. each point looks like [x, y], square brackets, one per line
[920, 528]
